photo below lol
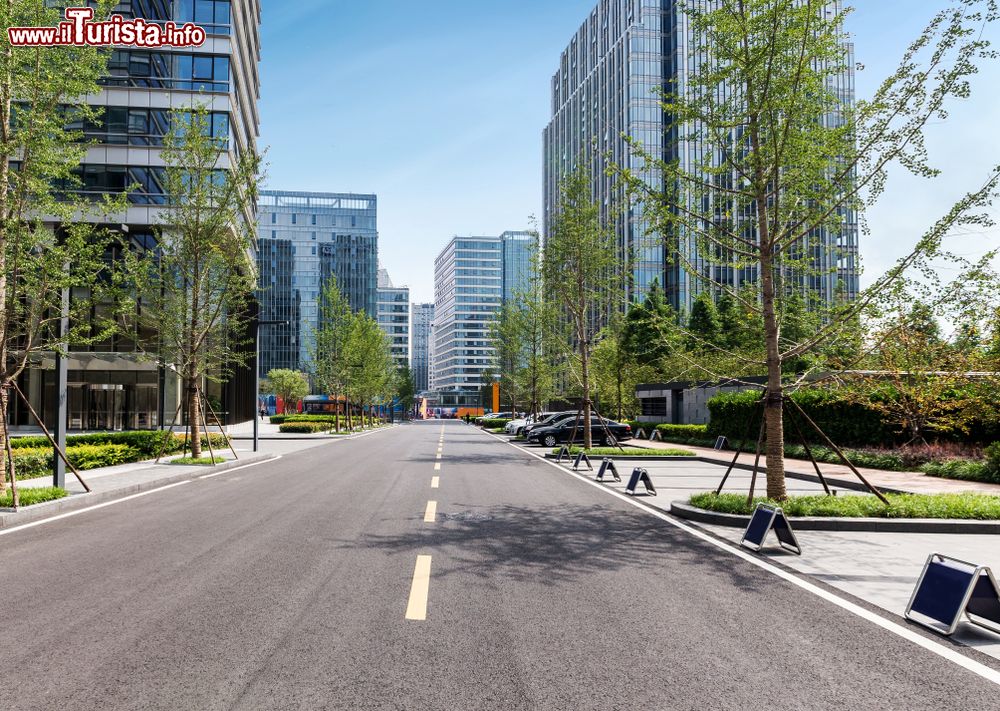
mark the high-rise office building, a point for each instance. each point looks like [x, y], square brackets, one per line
[604, 89]
[305, 239]
[471, 277]
[421, 318]
[111, 385]
[519, 251]
[394, 316]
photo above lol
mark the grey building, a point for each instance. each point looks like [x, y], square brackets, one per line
[394, 316]
[471, 277]
[421, 318]
[111, 384]
[604, 88]
[305, 239]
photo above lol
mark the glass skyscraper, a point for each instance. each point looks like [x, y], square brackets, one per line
[472, 278]
[306, 238]
[112, 383]
[421, 318]
[604, 88]
[394, 316]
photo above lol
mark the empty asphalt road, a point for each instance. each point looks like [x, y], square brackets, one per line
[426, 567]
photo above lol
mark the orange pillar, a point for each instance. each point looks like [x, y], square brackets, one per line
[496, 397]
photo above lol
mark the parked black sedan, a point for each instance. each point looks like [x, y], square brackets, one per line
[563, 430]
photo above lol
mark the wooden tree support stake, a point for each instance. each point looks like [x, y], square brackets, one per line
[222, 431]
[48, 436]
[829, 443]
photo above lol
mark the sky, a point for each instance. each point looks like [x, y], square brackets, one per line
[438, 108]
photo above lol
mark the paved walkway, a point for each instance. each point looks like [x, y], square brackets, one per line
[913, 482]
[880, 568]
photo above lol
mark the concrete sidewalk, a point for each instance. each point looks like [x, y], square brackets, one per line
[837, 474]
[880, 568]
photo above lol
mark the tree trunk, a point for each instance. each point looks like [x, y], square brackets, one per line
[336, 414]
[4, 449]
[588, 440]
[773, 405]
[194, 417]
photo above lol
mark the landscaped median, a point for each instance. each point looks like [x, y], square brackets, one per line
[929, 513]
[315, 424]
[33, 456]
[938, 460]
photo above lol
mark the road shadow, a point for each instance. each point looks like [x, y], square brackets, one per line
[555, 544]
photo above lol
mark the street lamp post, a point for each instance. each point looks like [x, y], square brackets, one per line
[256, 380]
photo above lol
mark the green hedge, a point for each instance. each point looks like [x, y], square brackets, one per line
[282, 419]
[35, 462]
[491, 423]
[843, 422]
[305, 427]
[146, 442]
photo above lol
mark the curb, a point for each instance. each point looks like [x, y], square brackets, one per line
[821, 523]
[9, 518]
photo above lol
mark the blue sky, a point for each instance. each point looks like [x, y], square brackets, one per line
[438, 108]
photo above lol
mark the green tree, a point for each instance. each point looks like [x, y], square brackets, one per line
[704, 326]
[579, 269]
[195, 287]
[289, 385]
[49, 244]
[370, 362]
[507, 336]
[646, 327]
[406, 389]
[616, 373]
[785, 158]
[329, 366]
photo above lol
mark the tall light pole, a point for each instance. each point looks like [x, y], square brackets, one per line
[256, 380]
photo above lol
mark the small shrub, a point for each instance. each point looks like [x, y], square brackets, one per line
[93, 456]
[492, 423]
[32, 463]
[304, 427]
[963, 470]
[282, 419]
[33, 495]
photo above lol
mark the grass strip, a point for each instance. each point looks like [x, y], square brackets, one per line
[980, 507]
[33, 495]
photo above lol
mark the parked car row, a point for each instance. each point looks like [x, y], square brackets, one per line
[551, 428]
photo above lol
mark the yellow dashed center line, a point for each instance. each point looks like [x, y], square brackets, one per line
[416, 608]
[431, 513]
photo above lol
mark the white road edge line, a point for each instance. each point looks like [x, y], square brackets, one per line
[5, 531]
[32, 524]
[236, 469]
[930, 645]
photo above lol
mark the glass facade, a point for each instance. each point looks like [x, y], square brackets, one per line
[394, 316]
[421, 318]
[471, 280]
[112, 385]
[304, 239]
[604, 89]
